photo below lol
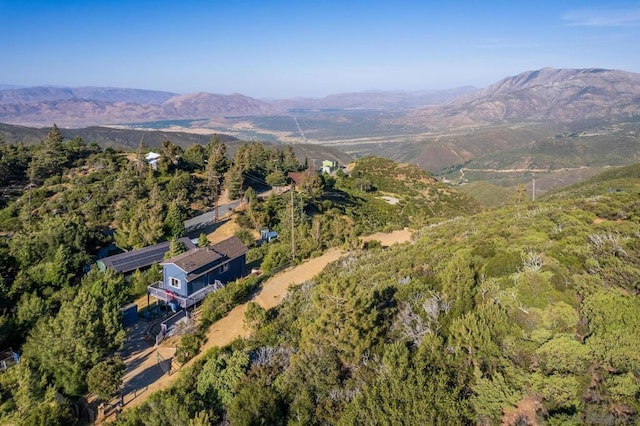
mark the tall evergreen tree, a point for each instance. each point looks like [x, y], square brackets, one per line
[233, 180]
[141, 162]
[85, 329]
[54, 136]
[142, 226]
[194, 157]
[105, 378]
[217, 163]
[49, 157]
[290, 163]
[174, 221]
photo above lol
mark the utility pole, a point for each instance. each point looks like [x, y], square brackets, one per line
[293, 226]
[533, 191]
[215, 198]
[30, 188]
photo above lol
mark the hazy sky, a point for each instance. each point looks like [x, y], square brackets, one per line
[307, 48]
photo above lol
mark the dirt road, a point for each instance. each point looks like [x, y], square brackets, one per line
[390, 238]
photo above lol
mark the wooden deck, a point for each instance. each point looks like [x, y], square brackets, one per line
[158, 291]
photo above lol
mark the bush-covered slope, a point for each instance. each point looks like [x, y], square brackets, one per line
[523, 312]
[420, 197]
[487, 194]
[619, 179]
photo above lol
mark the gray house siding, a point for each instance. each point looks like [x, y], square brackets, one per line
[211, 272]
[236, 270]
[172, 271]
[189, 277]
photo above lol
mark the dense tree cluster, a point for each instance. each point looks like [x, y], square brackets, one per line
[61, 201]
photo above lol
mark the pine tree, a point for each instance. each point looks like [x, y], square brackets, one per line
[175, 248]
[141, 162]
[276, 178]
[85, 329]
[174, 221]
[290, 163]
[194, 157]
[54, 137]
[203, 241]
[233, 182]
[49, 158]
[217, 163]
[142, 226]
[312, 185]
[105, 378]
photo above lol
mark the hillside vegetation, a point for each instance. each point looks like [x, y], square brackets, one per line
[523, 314]
[65, 202]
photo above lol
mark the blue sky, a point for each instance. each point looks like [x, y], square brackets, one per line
[275, 49]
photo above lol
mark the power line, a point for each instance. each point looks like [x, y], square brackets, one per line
[293, 227]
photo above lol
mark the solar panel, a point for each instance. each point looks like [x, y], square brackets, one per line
[141, 258]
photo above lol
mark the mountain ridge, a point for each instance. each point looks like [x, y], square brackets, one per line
[86, 106]
[552, 95]
[549, 94]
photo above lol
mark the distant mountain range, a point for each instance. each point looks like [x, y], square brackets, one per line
[376, 100]
[546, 95]
[546, 119]
[558, 95]
[87, 106]
[110, 137]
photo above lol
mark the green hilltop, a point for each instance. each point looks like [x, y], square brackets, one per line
[523, 314]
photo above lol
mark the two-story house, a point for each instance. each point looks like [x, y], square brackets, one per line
[190, 276]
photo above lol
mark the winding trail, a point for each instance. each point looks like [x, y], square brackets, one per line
[146, 369]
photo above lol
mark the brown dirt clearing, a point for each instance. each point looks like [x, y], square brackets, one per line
[390, 238]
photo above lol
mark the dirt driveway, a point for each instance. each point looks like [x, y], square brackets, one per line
[145, 370]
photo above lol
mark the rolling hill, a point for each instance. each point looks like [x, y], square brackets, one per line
[129, 139]
[519, 315]
[109, 137]
[80, 107]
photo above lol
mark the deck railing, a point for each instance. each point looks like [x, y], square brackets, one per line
[8, 359]
[158, 291]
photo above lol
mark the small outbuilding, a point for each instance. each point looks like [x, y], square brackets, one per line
[129, 315]
[268, 236]
[329, 166]
[152, 159]
[8, 358]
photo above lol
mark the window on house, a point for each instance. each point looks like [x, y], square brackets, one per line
[174, 282]
[223, 268]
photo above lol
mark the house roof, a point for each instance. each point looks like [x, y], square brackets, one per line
[141, 258]
[296, 177]
[152, 156]
[299, 177]
[269, 234]
[197, 258]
